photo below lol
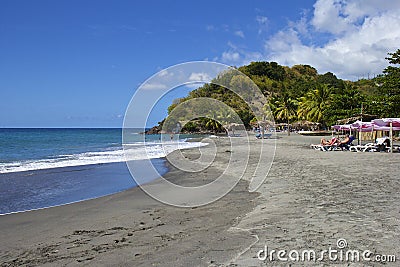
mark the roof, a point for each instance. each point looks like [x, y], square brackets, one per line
[357, 117]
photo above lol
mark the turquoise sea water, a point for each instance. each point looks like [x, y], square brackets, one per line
[20, 145]
[34, 149]
[46, 167]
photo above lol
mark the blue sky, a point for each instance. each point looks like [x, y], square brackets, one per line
[78, 63]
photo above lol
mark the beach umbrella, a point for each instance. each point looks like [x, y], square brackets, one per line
[389, 129]
[362, 126]
[386, 128]
[232, 127]
[388, 123]
[345, 127]
[263, 124]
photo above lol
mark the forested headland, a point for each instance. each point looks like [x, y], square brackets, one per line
[301, 93]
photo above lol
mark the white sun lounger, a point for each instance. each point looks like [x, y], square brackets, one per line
[372, 147]
[325, 147]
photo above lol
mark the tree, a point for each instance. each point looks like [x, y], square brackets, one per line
[390, 85]
[330, 79]
[314, 105]
[320, 98]
[213, 124]
[285, 109]
[344, 104]
[271, 70]
[305, 70]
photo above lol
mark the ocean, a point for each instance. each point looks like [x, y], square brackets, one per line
[48, 167]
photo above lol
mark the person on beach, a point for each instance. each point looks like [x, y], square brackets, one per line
[325, 145]
[346, 142]
[331, 142]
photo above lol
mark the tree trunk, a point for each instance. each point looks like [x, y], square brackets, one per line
[288, 128]
[227, 131]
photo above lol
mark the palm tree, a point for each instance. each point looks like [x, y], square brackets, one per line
[314, 104]
[285, 109]
[213, 124]
[211, 121]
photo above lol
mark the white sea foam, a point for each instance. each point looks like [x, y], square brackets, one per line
[134, 151]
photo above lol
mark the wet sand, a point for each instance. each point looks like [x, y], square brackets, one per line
[310, 199]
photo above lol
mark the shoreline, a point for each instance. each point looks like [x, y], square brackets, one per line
[64, 186]
[307, 201]
[159, 163]
[114, 229]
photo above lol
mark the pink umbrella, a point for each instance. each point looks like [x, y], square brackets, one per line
[345, 127]
[386, 122]
[362, 126]
[386, 128]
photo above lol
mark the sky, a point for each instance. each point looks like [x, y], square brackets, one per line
[77, 63]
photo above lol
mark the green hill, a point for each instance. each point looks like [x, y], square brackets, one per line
[301, 93]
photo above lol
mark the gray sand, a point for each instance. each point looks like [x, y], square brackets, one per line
[310, 199]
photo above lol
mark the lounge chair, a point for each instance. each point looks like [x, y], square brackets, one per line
[370, 147]
[381, 144]
[334, 146]
[324, 147]
[327, 147]
[317, 147]
[396, 148]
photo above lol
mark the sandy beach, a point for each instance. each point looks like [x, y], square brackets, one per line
[310, 199]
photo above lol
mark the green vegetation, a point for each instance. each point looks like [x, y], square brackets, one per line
[300, 93]
[315, 104]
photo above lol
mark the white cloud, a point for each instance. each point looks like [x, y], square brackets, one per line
[153, 86]
[283, 41]
[359, 9]
[199, 77]
[239, 33]
[194, 85]
[165, 73]
[230, 56]
[337, 16]
[362, 35]
[239, 57]
[302, 26]
[262, 20]
[350, 38]
[329, 17]
[262, 23]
